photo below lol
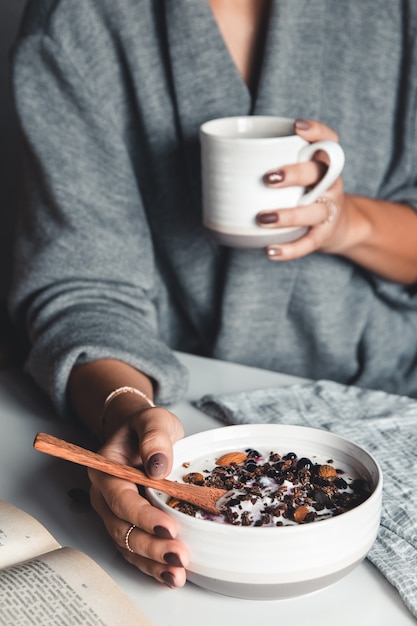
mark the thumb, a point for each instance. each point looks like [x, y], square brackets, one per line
[158, 429]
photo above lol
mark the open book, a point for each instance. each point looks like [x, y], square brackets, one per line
[44, 583]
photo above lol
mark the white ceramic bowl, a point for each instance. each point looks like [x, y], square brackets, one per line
[276, 562]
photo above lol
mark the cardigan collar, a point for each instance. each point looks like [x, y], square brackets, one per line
[207, 83]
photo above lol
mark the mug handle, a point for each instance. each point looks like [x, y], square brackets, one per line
[336, 162]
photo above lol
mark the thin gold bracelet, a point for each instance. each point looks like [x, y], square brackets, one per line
[118, 392]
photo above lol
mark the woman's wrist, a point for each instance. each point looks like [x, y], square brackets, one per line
[120, 405]
[359, 226]
[355, 229]
[379, 235]
[90, 386]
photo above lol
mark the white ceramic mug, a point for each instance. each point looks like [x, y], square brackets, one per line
[236, 153]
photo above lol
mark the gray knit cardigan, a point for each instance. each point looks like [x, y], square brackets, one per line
[111, 257]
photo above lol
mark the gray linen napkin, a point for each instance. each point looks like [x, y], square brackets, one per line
[384, 424]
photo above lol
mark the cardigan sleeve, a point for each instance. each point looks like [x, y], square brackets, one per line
[85, 284]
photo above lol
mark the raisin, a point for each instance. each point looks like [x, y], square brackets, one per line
[290, 456]
[251, 466]
[274, 473]
[360, 486]
[340, 483]
[233, 502]
[252, 454]
[320, 496]
[304, 463]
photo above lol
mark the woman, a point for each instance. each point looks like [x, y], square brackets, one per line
[113, 267]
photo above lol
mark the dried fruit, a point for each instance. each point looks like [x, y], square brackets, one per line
[231, 457]
[273, 490]
[195, 478]
[301, 513]
[304, 463]
[327, 471]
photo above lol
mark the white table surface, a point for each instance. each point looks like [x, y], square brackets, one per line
[39, 484]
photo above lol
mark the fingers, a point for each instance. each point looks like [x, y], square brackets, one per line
[146, 438]
[325, 224]
[157, 429]
[319, 217]
[310, 215]
[144, 535]
[304, 174]
[172, 577]
[297, 174]
[302, 247]
[311, 130]
[123, 500]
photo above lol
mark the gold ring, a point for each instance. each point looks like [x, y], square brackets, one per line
[331, 207]
[127, 535]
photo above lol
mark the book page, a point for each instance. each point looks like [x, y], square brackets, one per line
[64, 587]
[21, 536]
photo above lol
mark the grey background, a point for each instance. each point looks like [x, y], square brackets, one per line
[10, 157]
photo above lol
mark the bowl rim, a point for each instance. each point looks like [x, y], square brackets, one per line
[313, 527]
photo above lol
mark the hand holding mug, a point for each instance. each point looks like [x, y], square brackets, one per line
[325, 218]
[237, 152]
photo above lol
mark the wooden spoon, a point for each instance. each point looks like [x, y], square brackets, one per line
[203, 497]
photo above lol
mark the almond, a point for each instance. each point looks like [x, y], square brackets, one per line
[327, 471]
[231, 457]
[194, 478]
[173, 502]
[301, 513]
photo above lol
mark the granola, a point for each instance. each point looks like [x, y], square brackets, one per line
[276, 490]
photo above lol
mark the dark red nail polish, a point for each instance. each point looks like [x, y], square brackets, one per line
[274, 178]
[162, 532]
[157, 465]
[173, 559]
[274, 252]
[267, 218]
[168, 579]
[302, 124]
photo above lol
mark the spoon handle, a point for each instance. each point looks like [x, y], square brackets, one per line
[203, 497]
